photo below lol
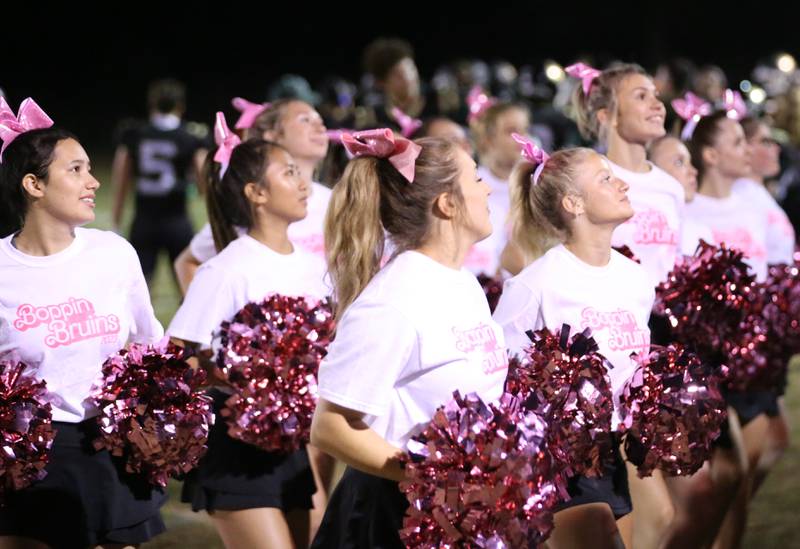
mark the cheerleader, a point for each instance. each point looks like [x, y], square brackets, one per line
[297, 127]
[721, 155]
[255, 498]
[700, 501]
[619, 107]
[70, 298]
[764, 164]
[567, 209]
[492, 127]
[410, 333]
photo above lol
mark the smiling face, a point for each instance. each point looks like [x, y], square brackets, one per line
[672, 156]
[67, 195]
[639, 116]
[302, 132]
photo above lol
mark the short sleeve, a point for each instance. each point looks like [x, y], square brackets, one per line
[517, 312]
[209, 301]
[374, 344]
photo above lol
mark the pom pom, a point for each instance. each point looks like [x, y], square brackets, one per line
[565, 382]
[270, 353]
[25, 426]
[673, 410]
[627, 252]
[479, 476]
[152, 411]
[493, 288]
[705, 298]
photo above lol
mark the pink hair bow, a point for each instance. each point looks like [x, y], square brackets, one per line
[226, 141]
[382, 143]
[734, 105]
[478, 102]
[691, 108]
[408, 125]
[533, 154]
[250, 112]
[30, 116]
[585, 73]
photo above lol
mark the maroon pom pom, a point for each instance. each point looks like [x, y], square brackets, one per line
[705, 299]
[152, 411]
[479, 476]
[565, 381]
[25, 426]
[493, 288]
[270, 353]
[673, 410]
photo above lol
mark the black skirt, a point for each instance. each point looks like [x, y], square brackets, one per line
[611, 487]
[364, 511]
[86, 498]
[751, 404]
[234, 475]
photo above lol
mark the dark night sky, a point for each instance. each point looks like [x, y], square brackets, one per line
[87, 76]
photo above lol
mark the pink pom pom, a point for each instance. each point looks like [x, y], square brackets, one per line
[479, 476]
[152, 411]
[270, 353]
[565, 381]
[25, 426]
[673, 411]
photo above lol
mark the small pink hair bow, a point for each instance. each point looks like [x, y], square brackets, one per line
[734, 105]
[533, 154]
[226, 141]
[691, 108]
[382, 143]
[30, 116]
[478, 102]
[250, 112]
[585, 74]
[408, 125]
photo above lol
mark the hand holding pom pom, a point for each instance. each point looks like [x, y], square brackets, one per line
[673, 411]
[152, 411]
[270, 353]
[479, 476]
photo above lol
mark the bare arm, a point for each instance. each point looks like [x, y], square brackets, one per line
[121, 179]
[512, 259]
[185, 266]
[342, 433]
[197, 169]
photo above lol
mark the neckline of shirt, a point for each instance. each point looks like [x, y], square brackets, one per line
[19, 256]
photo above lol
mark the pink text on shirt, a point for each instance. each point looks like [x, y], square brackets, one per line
[741, 239]
[652, 227]
[68, 322]
[482, 338]
[624, 333]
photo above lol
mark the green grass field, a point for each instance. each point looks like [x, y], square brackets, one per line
[774, 513]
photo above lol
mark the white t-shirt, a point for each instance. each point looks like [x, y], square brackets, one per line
[780, 232]
[734, 221]
[484, 256]
[558, 288]
[245, 271]
[306, 233]
[418, 332]
[66, 313]
[693, 233]
[654, 232]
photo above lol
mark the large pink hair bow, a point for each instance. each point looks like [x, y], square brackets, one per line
[533, 154]
[30, 116]
[585, 74]
[691, 108]
[226, 141]
[250, 112]
[478, 102]
[734, 105]
[408, 125]
[382, 143]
